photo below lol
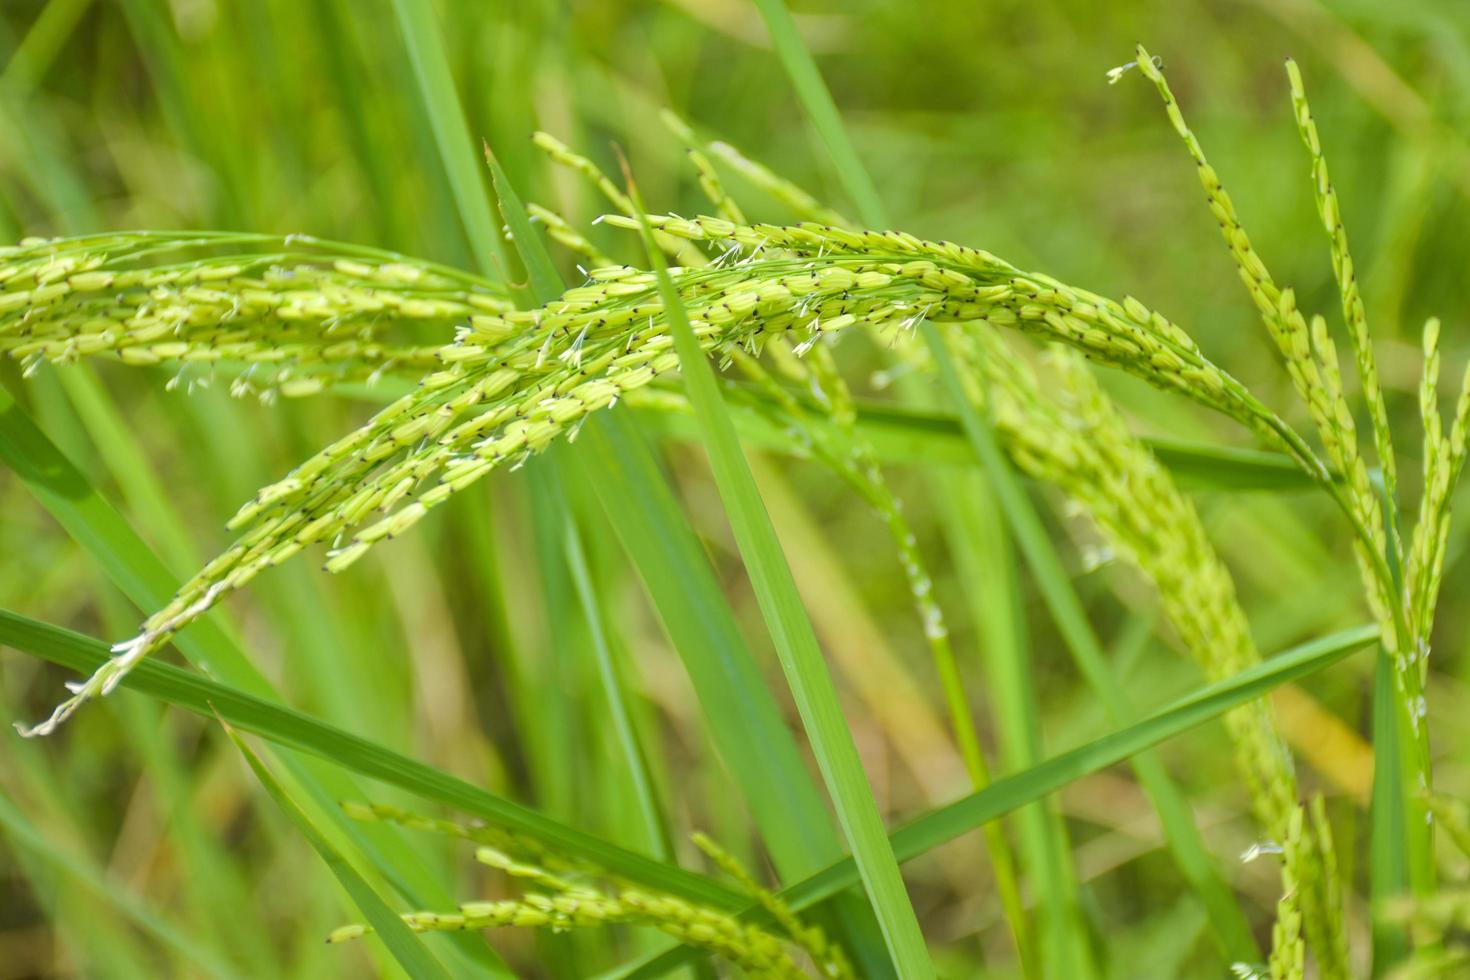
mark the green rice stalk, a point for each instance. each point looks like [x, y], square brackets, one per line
[576, 904]
[512, 381]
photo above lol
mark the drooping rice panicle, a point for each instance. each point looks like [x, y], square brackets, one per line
[562, 155]
[709, 178]
[512, 381]
[290, 315]
[504, 841]
[1444, 461]
[829, 958]
[1294, 341]
[1075, 439]
[1289, 332]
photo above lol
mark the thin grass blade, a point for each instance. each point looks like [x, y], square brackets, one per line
[792, 633]
[406, 947]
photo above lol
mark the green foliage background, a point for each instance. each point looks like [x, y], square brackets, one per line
[987, 124]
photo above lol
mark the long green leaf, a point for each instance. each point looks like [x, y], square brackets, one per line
[1211, 701]
[791, 631]
[1388, 868]
[456, 151]
[742, 716]
[807, 81]
[293, 729]
[649, 809]
[1066, 609]
[985, 560]
[904, 434]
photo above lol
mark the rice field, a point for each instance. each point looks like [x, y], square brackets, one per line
[733, 489]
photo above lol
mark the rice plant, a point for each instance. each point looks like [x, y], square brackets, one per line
[962, 408]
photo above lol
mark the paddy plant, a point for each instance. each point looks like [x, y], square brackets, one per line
[469, 377]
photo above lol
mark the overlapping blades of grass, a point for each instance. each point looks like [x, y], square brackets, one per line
[1067, 611]
[293, 729]
[1231, 929]
[793, 636]
[744, 722]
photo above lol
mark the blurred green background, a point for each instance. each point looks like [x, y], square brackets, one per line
[986, 123]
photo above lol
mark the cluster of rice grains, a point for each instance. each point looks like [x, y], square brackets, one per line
[512, 381]
[289, 315]
[571, 898]
[506, 382]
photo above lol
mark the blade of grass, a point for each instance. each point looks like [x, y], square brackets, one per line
[546, 285]
[1005, 795]
[806, 79]
[1231, 929]
[149, 21]
[401, 941]
[649, 809]
[1204, 704]
[986, 562]
[791, 631]
[743, 719]
[38, 50]
[213, 888]
[442, 106]
[293, 729]
[909, 434]
[567, 591]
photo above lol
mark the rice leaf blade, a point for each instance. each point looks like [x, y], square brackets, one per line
[795, 641]
[406, 947]
[295, 730]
